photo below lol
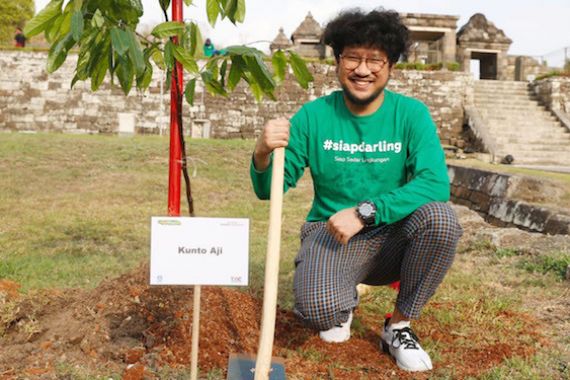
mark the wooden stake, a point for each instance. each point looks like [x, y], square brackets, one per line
[195, 333]
[263, 363]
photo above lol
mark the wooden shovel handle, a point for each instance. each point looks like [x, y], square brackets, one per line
[263, 362]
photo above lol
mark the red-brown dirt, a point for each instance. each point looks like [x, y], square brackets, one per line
[125, 326]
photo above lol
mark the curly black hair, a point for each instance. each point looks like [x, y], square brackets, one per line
[380, 28]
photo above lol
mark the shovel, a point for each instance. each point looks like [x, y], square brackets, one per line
[247, 367]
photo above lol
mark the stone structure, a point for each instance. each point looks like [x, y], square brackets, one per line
[31, 100]
[554, 93]
[281, 42]
[493, 195]
[524, 68]
[307, 38]
[481, 39]
[433, 37]
[433, 40]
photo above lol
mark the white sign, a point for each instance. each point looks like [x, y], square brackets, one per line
[199, 251]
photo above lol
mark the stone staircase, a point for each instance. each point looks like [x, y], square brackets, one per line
[518, 125]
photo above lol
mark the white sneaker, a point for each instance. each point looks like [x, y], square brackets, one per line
[403, 345]
[339, 333]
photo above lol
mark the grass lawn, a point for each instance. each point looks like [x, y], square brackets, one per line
[75, 210]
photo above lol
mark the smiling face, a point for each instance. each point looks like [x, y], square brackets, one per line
[363, 73]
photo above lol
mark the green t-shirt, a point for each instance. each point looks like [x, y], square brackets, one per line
[392, 157]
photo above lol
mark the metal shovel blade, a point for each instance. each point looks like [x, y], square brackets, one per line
[242, 367]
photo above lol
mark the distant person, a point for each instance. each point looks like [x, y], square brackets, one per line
[209, 49]
[19, 38]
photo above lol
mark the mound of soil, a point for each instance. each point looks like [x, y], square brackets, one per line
[125, 326]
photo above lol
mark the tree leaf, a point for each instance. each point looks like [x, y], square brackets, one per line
[259, 71]
[120, 41]
[185, 58]
[300, 70]
[244, 50]
[158, 58]
[98, 74]
[195, 39]
[135, 52]
[164, 4]
[223, 70]
[143, 81]
[125, 74]
[168, 29]
[236, 70]
[279, 61]
[58, 52]
[213, 86]
[254, 87]
[240, 11]
[188, 2]
[212, 10]
[77, 25]
[189, 91]
[101, 47]
[98, 20]
[43, 19]
[231, 10]
[169, 54]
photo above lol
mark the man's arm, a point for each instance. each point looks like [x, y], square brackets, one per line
[279, 133]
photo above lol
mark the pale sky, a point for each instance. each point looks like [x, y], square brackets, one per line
[537, 28]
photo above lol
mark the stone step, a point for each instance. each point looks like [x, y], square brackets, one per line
[500, 84]
[522, 146]
[525, 113]
[500, 140]
[507, 92]
[528, 124]
[524, 123]
[506, 103]
[499, 133]
[528, 120]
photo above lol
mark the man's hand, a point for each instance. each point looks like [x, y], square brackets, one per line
[275, 134]
[344, 225]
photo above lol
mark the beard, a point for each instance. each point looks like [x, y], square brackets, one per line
[361, 101]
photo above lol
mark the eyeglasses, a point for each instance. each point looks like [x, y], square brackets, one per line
[351, 62]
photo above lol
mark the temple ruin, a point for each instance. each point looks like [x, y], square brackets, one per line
[478, 46]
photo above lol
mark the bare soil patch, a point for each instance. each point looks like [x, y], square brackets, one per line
[125, 326]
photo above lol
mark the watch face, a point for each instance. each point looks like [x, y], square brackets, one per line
[366, 209]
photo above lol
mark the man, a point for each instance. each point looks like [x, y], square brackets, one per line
[19, 38]
[380, 183]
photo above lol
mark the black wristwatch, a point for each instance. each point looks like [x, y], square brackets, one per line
[366, 211]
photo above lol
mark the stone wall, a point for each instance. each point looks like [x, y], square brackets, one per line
[554, 93]
[32, 100]
[493, 195]
[524, 68]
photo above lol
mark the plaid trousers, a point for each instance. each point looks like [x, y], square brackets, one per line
[417, 251]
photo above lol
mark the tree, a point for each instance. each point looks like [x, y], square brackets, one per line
[105, 31]
[14, 14]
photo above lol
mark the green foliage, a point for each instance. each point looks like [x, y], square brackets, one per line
[14, 14]
[555, 263]
[554, 74]
[104, 31]
[451, 66]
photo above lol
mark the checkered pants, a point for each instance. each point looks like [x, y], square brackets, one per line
[417, 251]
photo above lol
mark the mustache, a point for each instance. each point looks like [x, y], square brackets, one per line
[356, 76]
